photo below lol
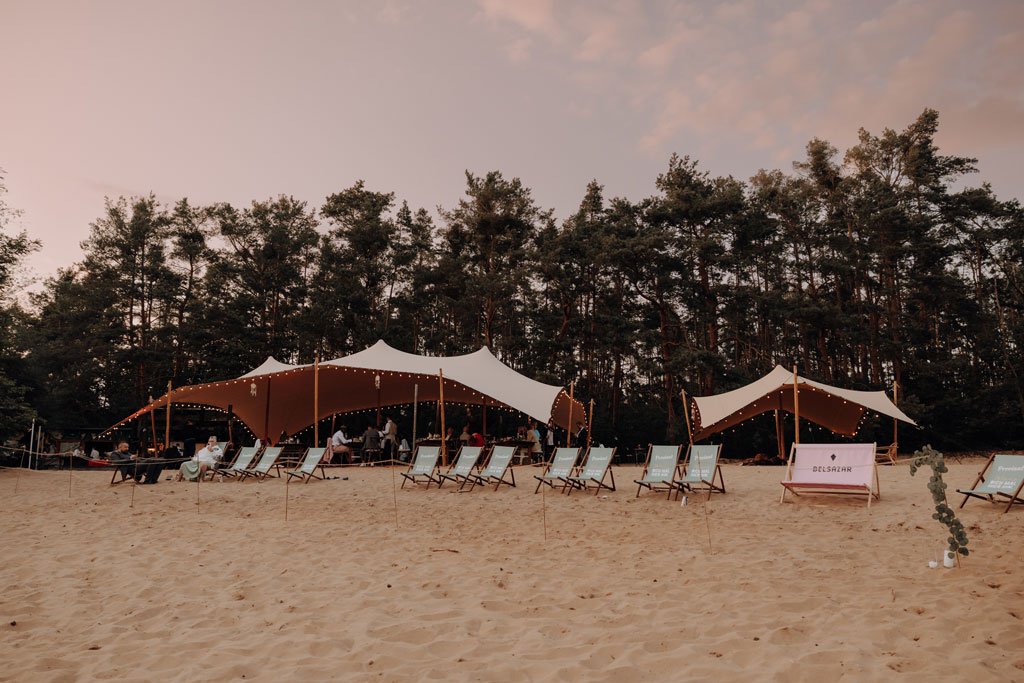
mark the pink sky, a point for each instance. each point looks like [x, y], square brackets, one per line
[236, 101]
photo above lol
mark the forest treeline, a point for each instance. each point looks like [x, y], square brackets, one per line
[862, 269]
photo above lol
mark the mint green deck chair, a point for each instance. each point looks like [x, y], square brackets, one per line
[243, 459]
[494, 473]
[268, 462]
[594, 471]
[562, 463]
[1002, 480]
[661, 469]
[310, 462]
[423, 467]
[463, 466]
[702, 469]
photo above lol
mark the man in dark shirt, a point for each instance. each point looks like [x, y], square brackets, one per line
[580, 438]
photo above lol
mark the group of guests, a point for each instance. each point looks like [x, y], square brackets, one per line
[382, 442]
[148, 470]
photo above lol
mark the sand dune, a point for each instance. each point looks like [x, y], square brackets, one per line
[466, 587]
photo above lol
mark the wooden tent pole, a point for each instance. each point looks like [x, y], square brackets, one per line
[778, 435]
[895, 422]
[686, 413]
[152, 422]
[590, 423]
[167, 426]
[483, 431]
[440, 408]
[316, 409]
[568, 428]
[796, 408]
[266, 419]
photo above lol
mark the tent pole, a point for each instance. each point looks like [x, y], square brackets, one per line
[266, 418]
[796, 408]
[484, 428]
[167, 424]
[778, 434]
[590, 423]
[316, 403]
[152, 421]
[415, 411]
[440, 408]
[895, 422]
[568, 427]
[686, 413]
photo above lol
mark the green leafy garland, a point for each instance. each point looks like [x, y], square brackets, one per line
[943, 513]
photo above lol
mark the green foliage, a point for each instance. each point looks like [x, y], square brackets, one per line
[943, 513]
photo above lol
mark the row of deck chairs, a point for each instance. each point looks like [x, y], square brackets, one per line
[663, 470]
[242, 467]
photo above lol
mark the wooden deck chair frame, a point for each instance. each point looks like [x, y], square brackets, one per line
[886, 455]
[826, 488]
[307, 473]
[273, 452]
[453, 474]
[546, 478]
[668, 484]
[1012, 499]
[485, 479]
[684, 483]
[231, 469]
[428, 477]
[583, 483]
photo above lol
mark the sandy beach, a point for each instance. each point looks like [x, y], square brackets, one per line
[465, 586]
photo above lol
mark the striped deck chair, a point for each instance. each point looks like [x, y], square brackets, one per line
[243, 458]
[1002, 480]
[701, 469]
[494, 473]
[561, 465]
[832, 468]
[424, 467]
[268, 462]
[594, 471]
[463, 466]
[661, 469]
[310, 462]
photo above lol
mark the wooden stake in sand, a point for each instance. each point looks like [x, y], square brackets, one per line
[21, 466]
[394, 494]
[707, 523]
[286, 480]
[135, 480]
[544, 512]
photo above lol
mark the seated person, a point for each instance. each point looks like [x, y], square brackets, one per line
[371, 441]
[339, 445]
[204, 460]
[465, 437]
[477, 440]
[124, 460]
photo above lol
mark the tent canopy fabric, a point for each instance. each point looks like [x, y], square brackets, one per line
[831, 407]
[277, 397]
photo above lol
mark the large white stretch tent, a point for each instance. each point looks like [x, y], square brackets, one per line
[837, 409]
[278, 397]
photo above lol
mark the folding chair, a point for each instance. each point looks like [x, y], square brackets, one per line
[845, 468]
[561, 465]
[243, 458]
[494, 473]
[424, 466]
[268, 461]
[1002, 476]
[310, 462]
[701, 469]
[594, 471]
[463, 466]
[661, 469]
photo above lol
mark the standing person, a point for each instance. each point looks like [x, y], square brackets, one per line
[550, 438]
[533, 436]
[580, 439]
[339, 444]
[390, 436]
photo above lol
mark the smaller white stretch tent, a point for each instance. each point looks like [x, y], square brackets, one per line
[837, 409]
[277, 397]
